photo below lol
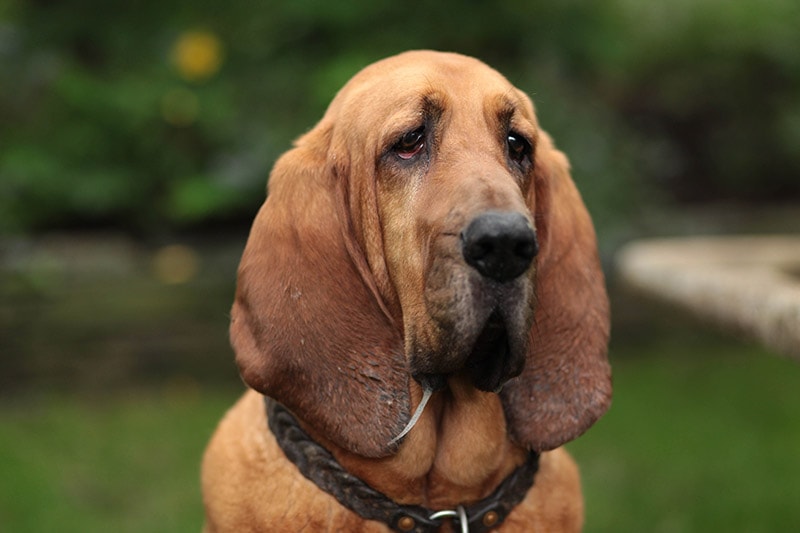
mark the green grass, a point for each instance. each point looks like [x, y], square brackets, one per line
[125, 463]
[703, 436]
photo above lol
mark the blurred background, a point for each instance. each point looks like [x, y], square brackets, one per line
[135, 144]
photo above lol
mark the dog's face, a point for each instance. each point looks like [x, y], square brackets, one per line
[452, 145]
[425, 228]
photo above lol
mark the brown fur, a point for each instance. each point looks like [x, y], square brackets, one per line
[352, 281]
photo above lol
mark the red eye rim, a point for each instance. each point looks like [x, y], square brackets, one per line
[410, 144]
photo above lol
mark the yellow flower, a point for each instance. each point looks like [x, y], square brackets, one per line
[197, 55]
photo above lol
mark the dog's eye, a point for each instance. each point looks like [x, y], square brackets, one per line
[518, 147]
[410, 144]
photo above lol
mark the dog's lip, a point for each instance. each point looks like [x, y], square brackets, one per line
[430, 381]
[488, 364]
[493, 333]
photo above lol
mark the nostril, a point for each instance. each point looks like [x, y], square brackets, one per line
[499, 245]
[527, 248]
[480, 248]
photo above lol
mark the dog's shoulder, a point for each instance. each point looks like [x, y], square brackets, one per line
[245, 473]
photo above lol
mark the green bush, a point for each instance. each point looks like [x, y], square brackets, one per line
[99, 125]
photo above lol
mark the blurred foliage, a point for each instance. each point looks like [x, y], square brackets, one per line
[156, 116]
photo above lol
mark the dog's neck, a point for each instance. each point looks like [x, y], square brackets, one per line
[457, 452]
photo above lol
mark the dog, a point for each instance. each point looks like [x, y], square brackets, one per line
[420, 316]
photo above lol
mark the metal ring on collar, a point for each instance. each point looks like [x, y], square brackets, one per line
[460, 513]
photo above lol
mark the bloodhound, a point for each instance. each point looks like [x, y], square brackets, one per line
[421, 316]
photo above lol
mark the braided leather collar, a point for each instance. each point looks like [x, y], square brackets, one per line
[318, 464]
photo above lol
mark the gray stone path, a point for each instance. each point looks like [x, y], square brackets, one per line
[748, 283]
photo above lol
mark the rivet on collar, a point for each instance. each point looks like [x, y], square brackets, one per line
[490, 518]
[406, 523]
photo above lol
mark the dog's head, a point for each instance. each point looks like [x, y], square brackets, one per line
[425, 228]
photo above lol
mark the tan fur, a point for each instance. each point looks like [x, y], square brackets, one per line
[250, 486]
[353, 280]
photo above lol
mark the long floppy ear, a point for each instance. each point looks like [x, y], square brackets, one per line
[305, 326]
[566, 384]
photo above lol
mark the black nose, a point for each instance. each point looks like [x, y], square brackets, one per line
[499, 245]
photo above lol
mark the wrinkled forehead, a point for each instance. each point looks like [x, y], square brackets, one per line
[408, 84]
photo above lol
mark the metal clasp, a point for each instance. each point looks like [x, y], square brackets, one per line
[460, 514]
